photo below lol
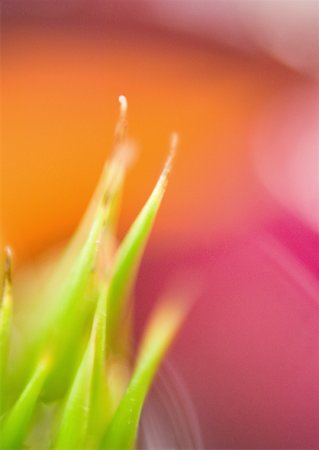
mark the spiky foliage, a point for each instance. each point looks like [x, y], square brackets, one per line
[69, 381]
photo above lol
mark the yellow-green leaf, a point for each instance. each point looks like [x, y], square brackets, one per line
[75, 419]
[15, 424]
[5, 323]
[165, 322]
[130, 251]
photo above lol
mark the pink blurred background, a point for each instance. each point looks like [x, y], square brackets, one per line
[239, 81]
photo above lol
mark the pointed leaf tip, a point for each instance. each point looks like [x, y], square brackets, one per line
[130, 251]
[8, 263]
[123, 105]
[120, 134]
[174, 141]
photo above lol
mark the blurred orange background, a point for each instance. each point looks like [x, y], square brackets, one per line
[60, 106]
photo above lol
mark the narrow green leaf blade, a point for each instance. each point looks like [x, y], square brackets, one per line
[15, 424]
[110, 184]
[63, 321]
[74, 422]
[130, 251]
[165, 322]
[5, 323]
[78, 407]
[101, 407]
[77, 279]
[111, 181]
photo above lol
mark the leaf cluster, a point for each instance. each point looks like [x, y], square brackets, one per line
[71, 383]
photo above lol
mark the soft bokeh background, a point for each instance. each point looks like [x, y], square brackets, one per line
[238, 80]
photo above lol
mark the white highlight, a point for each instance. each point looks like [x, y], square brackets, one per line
[123, 105]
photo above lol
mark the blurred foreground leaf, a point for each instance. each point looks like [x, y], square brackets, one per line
[15, 424]
[164, 324]
[5, 323]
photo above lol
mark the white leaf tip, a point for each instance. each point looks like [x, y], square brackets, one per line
[123, 104]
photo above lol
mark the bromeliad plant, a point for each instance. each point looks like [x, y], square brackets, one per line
[67, 378]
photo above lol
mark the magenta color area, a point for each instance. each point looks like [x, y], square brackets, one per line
[249, 349]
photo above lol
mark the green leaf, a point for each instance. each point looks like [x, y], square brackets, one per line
[165, 322]
[78, 257]
[63, 322]
[101, 406]
[62, 317]
[15, 424]
[5, 323]
[69, 294]
[130, 251]
[78, 277]
[111, 182]
[76, 414]
[74, 422]
[65, 331]
[110, 185]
